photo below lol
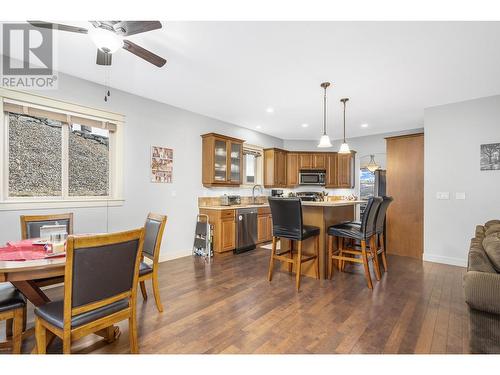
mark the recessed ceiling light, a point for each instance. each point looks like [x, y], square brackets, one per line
[305, 125]
[364, 125]
[258, 127]
[270, 110]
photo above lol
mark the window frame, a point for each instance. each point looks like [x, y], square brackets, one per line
[259, 172]
[115, 179]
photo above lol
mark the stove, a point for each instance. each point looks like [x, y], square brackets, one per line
[309, 196]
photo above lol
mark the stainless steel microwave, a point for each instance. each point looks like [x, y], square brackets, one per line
[312, 177]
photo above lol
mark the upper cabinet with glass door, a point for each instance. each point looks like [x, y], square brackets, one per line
[222, 161]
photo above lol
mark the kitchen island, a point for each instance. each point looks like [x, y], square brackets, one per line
[321, 215]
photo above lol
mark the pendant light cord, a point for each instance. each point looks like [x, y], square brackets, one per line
[324, 113]
[344, 100]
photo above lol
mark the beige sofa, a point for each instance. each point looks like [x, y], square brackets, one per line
[482, 288]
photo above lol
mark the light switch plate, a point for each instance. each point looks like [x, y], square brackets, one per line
[460, 195]
[443, 195]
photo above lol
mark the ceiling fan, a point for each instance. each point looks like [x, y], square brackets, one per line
[108, 36]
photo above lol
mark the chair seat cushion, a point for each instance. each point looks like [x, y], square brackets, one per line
[307, 231]
[10, 298]
[348, 230]
[144, 269]
[53, 312]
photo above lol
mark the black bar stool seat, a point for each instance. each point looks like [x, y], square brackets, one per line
[307, 231]
[287, 224]
[348, 230]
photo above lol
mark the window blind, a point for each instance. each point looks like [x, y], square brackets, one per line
[57, 116]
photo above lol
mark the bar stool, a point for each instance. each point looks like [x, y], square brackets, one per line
[363, 233]
[379, 232]
[287, 223]
[380, 229]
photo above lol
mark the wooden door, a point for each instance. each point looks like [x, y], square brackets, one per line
[405, 183]
[332, 180]
[220, 160]
[305, 161]
[319, 161]
[228, 238]
[292, 169]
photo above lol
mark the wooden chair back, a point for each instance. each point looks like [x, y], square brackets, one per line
[100, 270]
[153, 234]
[31, 224]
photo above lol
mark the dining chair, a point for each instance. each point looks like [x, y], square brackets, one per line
[288, 223]
[153, 234]
[365, 232]
[31, 224]
[100, 289]
[12, 307]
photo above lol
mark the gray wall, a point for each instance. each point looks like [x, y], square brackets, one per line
[147, 123]
[453, 135]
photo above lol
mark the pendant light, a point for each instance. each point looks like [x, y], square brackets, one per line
[372, 165]
[325, 139]
[344, 147]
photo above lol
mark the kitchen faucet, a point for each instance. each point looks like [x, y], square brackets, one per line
[253, 191]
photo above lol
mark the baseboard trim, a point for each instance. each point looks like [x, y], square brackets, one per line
[171, 256]
[445, 260]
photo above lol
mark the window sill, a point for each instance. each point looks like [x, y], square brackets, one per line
[40, 204]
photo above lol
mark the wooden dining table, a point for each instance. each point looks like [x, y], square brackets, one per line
[30, 276]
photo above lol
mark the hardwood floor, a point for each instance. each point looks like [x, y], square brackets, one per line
[230, 307]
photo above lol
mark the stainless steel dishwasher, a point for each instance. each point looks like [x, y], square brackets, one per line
[246, 229]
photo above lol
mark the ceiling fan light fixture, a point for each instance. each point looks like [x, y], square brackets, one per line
[106, 40]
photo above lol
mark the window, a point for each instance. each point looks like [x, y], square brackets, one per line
[58, 156]
[88, 161]
[252, 165]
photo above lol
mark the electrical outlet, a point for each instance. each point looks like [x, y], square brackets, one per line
[443, 195]
[460, 195]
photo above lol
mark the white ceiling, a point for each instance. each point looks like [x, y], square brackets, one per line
[233, 71]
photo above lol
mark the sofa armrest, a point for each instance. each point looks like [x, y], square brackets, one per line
[482, 291]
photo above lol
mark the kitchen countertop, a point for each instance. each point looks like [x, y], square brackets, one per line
[310, 204]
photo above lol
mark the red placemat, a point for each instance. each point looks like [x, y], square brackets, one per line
[24, 250]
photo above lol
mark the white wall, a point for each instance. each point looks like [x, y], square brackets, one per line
[453, 135]
[147, 123]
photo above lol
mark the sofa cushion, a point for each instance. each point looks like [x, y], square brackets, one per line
[495, 228]
[491, 222]
[480, 231]
[491, 246]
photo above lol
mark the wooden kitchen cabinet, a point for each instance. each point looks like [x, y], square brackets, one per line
[275, 161]
[305, 160]
[292, 169]
[264, 225]
[345, 170]
[319, 161]
[222, 160]
[224, 228]
[340, 170]
[332, 178]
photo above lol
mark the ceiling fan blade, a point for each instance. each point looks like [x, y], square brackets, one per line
[127, 28]
[58, 26]
[103, 58]
[144, 53]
